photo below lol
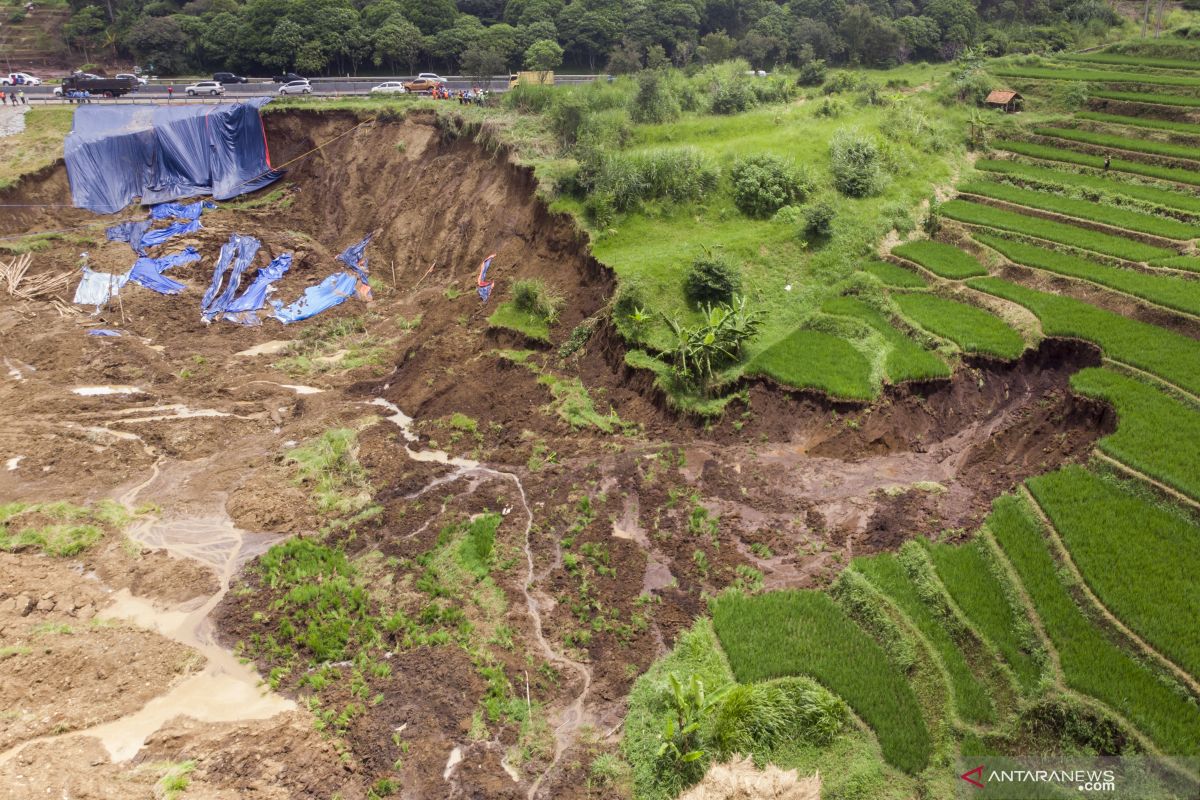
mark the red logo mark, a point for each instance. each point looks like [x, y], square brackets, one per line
[977, 772]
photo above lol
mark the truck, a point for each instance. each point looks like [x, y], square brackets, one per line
[96, 86]
[531, 79]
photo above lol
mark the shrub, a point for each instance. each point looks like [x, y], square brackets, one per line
[843, 82]
[601, 210]
[762, 184]
[678, 174]
[566, 118]
[812, 73]
[532, 297]
[856, 164]
[818, 218]
[653, 102]
[712, 279]
[731, 97]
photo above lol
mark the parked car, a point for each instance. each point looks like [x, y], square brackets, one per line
[129, 76]
[421, 85]
[204, 87]
[431, 76]
[19, 79]
[287, 77]
[389, 87]
[301, 86]
[227, 77]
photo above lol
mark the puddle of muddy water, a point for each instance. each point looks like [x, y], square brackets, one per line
[270, 348]
[101, 391]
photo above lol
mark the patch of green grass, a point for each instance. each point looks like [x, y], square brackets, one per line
[1160, 352]
[972, 329]
[780, 634]
[1189, 263]
[1095, 76]
[1070, 235]
[1155, 99]
[1121, 142]
[1120, 59]
[941, 259]
[906, 360]
[971, 702]
[1140, 122]
[58, 529]
[476, 552]
[1167, 290]
[1091, 663]
[1083, 209]
[807, 359]
[329, 469]
[1049, 153]
[1094, 185]
[507, 315]
[337, 345]
[989, 602]
[894, 275]
[1140, 558]
[38, 146]
[573, 404]
[175, 780]
[1156, 434]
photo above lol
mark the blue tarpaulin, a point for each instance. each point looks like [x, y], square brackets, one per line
[96, 288]
[485, 286]
[103, 332]
[148, 272]
[236, 255]
[333, 291]
[181, 210]
[161, 153]
[160, 235]
[242, 310]
[131, 232]
[353, 257]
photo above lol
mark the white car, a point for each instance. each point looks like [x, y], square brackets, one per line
[138, 79]
[204, 87]
[429, 76]
[390, 87]
[296, 87]
[19, 79]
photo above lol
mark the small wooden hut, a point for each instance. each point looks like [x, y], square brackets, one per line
[1005, 99]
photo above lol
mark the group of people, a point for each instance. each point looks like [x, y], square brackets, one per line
[463, 96]
[16, 97]
[77, 96]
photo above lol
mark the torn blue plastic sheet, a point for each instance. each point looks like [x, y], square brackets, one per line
[160, 235]
[183, 211]
[333, 291]
[353, 257]
[103, 332]
[96, 288]
[485, 286]
[235, 258]
[131, 232]
[148, 272]
[162, 153]
[242, 310]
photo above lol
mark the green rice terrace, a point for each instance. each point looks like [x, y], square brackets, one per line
[827, 430]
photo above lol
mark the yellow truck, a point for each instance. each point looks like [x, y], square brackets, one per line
[531, 79]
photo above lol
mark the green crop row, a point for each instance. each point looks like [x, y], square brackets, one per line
[906, 360]
[1094, 75]
[1190, 263]
[1084, 209]
[970, 697]
[972, 329]
[1095, 184]
[892, 275]
[1140, 122]
[1160, 352]
[1140, 559]
[1071, 235]
[941, 259]
[1145, 97]
[1156, 434]
[809, 359]
[1048, 153]
[1132, 61]
[1092, 664]
[784, 633]
[988, 600]
[1174, 292]
[1121, 142]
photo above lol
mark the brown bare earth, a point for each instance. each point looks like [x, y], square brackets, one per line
[597, 547]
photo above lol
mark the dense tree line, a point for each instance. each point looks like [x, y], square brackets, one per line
[491, 36]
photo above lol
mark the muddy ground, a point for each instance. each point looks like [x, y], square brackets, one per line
[117, 665]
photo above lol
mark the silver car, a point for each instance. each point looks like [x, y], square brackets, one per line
[204, 87]
[390, 87]
[296, 87]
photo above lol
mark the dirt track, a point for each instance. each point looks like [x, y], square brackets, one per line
[787, 484]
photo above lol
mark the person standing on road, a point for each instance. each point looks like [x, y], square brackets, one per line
[21, 94]
[170, 93]
[3, 98]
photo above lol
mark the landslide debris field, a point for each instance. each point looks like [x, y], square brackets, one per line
[406, 548]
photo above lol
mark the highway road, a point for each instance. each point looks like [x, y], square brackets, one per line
[156, 91]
